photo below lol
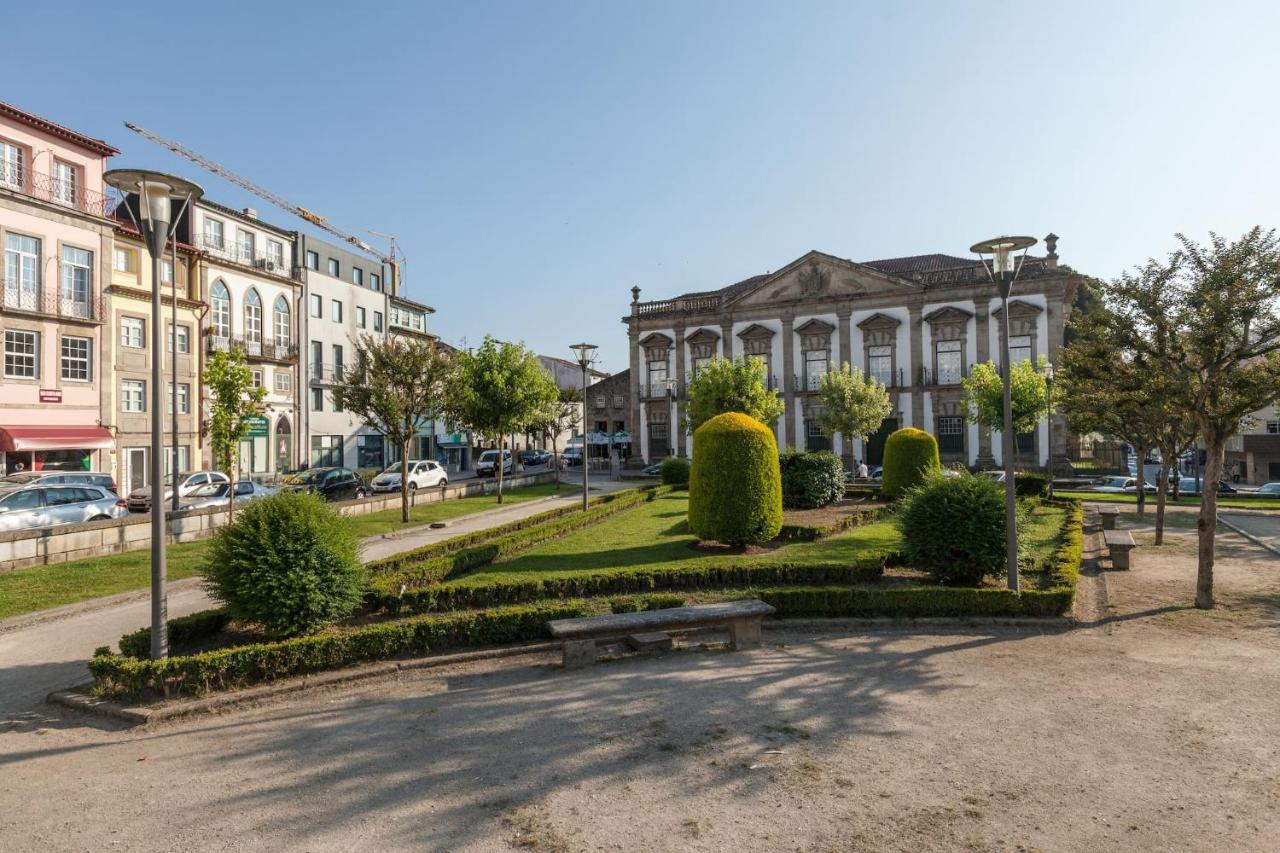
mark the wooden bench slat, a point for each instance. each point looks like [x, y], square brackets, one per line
[621, 624]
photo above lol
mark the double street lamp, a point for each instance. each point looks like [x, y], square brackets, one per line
[585, 352]
[156, 193]
[1003, 264]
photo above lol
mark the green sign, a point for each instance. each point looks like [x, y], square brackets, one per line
[258, 425]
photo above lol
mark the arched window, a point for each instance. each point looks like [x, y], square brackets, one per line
[252, 317]
[282, 326]
[221, 313]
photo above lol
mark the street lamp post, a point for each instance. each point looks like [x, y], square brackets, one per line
[156, 193]
[584, 352]
[1003, 269]
[1048, 393]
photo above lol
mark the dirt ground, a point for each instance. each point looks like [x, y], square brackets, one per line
[1150, 727]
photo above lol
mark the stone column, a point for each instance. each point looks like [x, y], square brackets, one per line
[916, 331]
[788, 383]
[633, 342]
[677, 432]
[982, 328]
[845, 330]
[726, 338]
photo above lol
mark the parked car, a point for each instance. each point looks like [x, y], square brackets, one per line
[332, 484]
[488, 462]
[27, 507]
[1120, 485]
[423, 474]
[997, 476]
[653, 470]
[217, 494]
[572, 456]
[50, 478]
[1187, 486]
[534, 457]
[1268, 489]
[140, 498]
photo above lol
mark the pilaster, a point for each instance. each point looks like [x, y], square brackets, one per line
[788, 382]
[678, 441]
[916, 332]
[845, 330]
[982, 329]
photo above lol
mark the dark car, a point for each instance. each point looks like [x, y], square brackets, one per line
[534, 457]
[332, 484]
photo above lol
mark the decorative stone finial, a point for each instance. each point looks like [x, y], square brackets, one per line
[1051, 243]
[635, 294]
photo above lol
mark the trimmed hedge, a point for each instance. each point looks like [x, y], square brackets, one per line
[735, 488]
[909, 454]
[675, 471]
[229, 669]
[954, 528]
[814, 532]
[811, 480]
[183, 629]
[1030, 484]
[630, 604]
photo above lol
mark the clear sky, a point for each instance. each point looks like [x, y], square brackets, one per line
[537, 159]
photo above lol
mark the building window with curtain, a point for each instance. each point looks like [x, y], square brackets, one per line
[246, 248]
[133, 396]
[12, 165]
[213, 233]
[133, 332]
[65, 185]
[950, 362]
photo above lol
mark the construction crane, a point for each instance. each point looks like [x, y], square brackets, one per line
[393, 259]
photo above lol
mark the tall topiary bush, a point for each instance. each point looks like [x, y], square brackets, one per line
[811, 479]
[289, 563]
[909, 454]
[735, 487]
[953, 528]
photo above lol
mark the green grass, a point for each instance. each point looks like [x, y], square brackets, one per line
[41, 587]
[1187, 501]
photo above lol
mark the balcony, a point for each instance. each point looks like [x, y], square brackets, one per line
[51, 303]
[948, 377]
[44, 187]
[658, 390]
[261, 350]
[678, 306]
[236, 253]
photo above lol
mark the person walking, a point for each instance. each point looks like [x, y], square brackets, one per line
[863, 472]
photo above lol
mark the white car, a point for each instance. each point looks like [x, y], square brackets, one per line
[140, 498]
[218, 494]
[423, 474]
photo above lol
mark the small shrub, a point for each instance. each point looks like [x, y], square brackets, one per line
[182, 630]
[811, 480]
[909, 454]
[953, 528]
[735, 487]
[289, 563]
[675, 471]
[1030, 484]
[663, 601]
[623, 604]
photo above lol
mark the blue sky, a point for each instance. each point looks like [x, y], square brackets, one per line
[539, 159]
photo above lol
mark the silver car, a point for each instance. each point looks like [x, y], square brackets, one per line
[29, 507]
[216, 494]
[49, 478]
[140, 498]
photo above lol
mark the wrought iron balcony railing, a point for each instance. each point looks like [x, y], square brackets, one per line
[270, 350]
[68, 193]
[239, 253]
[49, 301]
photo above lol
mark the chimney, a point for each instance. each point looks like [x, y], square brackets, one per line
[1051, 243]
[250, 212]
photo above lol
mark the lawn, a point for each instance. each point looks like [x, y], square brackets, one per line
[41, 587]
[1186, 501]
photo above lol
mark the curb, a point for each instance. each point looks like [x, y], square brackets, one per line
[1056, 623]
[1247, 535]
[76, 699]
[91, 605]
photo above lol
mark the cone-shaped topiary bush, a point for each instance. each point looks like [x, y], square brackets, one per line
[909, 454]
[953, 528]
[735, 487]
[289, 563]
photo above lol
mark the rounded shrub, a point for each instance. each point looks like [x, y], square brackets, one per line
[811, 480]
[675, 471]
[735, 487]
[909, 455]
[953, 528]
[1031, 484]
[288, 563]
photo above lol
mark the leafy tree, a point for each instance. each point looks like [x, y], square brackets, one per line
[853, 404]
[562, 414]
[1209, 318]
[395, 386]
[731, 386]
[502, 388]
[233, 400]
[984, 395]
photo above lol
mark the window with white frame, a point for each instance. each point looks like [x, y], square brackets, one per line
[333, 267]
[880, 364]
[253, 316]
[220, 310]
[816, 362]
[21, 354]
[133, 332]
[700, 364]
[275, 253]
[357, 276]
[214, 233]
[21, 272]
[1020, 349]
[12, 165]
[246, 245]
[283, 328]
[123, 260]
[657, 378]
[77, 282]
[950, 365]
[64, 183]
[166, 271]
[184, 339]
[951, 434]
[183, 398]
[77, 358]
[257, 378]
[284, 382]
[133, 396]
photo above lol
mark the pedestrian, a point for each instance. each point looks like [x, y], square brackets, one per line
[863, 472]
[19, 468]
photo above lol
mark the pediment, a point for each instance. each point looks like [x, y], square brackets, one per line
[819, 277]
[703, 336]
[880, 321]
[815, 327]
[949, 314]
[656, 340]
[756, 332]
[1018, 308]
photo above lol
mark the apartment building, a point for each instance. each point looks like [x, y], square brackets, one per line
[252, 285]
[57, 240]
[345, 299]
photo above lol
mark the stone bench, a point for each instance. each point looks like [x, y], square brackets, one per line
[1119, 544]
[1108, 513]
[580, 635]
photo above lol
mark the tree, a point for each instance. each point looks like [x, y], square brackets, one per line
[560, 415]
[853, 404]
[1209, 317]
[501, 389]
[731, 386]
[395, 386]
[984, 395]
[233, 400]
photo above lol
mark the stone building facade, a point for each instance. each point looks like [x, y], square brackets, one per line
[918, 324]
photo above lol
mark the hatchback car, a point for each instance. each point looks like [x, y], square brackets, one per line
[489, 460]
[28, 507]
[50, 478]
[1187, 486]
[217, 494]
[535, 457]
[1119, 485]
[423, 474]
[332, 484]
[1268, 489]
[140, 498]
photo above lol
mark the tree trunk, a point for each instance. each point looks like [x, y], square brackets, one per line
[1161, 489]
[404, 480]
[1141, 481]
[231, 493]
[1207, 525]
[498, 466]
[555, 460]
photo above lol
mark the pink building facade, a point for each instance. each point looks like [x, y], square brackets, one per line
[57, 243]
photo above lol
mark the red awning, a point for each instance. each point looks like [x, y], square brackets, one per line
[55, 438]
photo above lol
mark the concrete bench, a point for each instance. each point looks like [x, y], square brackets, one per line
[580, 635]
[1119, 544]
[1108, 513]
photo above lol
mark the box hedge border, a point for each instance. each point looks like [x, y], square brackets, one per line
[814, 532]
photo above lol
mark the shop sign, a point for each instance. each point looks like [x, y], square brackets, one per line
[50, 395]
[258, 426]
